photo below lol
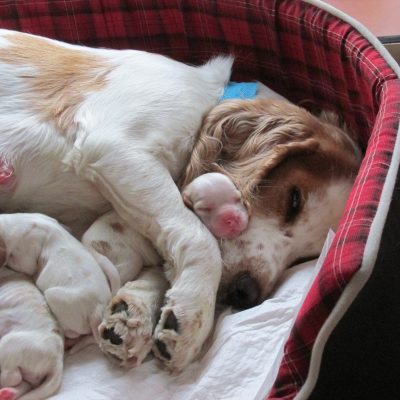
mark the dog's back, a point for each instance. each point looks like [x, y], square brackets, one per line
[59, 101]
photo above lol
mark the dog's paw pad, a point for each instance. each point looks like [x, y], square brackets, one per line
[167, 337]
[119, 307]
[181, 330]
[171, 322]
[7, 394]
[162, 349]
[125, 332]
[109, 334]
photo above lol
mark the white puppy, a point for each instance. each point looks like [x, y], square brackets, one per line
[73, 281]
[216, 201]
[31, 346]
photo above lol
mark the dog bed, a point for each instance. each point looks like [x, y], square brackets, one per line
[316, 56]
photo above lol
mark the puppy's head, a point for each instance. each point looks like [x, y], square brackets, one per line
[293, 169]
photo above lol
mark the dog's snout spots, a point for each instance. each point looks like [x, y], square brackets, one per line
[119, 307]
[162, 348]
[244, 292]
[109, 334]
[171, 322]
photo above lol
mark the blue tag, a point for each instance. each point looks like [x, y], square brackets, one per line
[242, 90]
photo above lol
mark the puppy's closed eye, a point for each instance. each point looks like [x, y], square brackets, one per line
[203, 209]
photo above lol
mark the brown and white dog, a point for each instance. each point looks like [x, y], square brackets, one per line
[88, 131]
[294, 172]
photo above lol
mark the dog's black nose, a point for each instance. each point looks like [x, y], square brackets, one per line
[113, 337]
[243, 292]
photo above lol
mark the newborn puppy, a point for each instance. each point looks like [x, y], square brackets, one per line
[72, 279]
[216, 201]
[31, 346]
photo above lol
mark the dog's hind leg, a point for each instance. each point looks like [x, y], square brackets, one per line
[110, 236]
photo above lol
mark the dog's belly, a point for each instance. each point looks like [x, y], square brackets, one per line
[55, 192]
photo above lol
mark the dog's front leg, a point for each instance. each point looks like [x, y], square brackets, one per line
[144, 194]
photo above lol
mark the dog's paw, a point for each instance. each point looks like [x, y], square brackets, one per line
[125, 332]
[182, 329]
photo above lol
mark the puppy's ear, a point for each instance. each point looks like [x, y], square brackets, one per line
[187, 200]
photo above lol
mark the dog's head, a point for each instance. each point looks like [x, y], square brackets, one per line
[294, 171]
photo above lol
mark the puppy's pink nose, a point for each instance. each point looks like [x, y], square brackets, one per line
[230, 224]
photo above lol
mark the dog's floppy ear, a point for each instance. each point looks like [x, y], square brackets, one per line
[237, 133]
[272, 158]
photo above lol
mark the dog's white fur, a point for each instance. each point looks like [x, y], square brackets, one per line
[86, 130]
[31, 344]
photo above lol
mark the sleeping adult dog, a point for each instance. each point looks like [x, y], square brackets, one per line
[85, 131]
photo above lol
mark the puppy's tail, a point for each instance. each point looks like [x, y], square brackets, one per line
[109, 271]
[49, 386]
[218, 70]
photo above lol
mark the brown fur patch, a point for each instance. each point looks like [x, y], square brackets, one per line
[249, 141]
[60, 78]
[117, 227]
[101, 246]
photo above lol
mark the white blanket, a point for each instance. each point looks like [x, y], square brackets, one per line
[241, 362]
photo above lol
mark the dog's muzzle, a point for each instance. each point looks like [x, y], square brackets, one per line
[243, 292]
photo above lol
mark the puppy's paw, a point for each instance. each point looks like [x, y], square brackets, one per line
[125, 332]
[182, 329]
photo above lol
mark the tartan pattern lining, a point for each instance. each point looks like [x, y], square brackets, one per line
[300, 51]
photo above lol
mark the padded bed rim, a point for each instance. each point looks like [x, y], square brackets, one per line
[361, 277]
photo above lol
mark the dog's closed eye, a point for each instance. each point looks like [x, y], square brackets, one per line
[294, 204]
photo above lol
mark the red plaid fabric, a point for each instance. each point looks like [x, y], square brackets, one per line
[297, 49]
